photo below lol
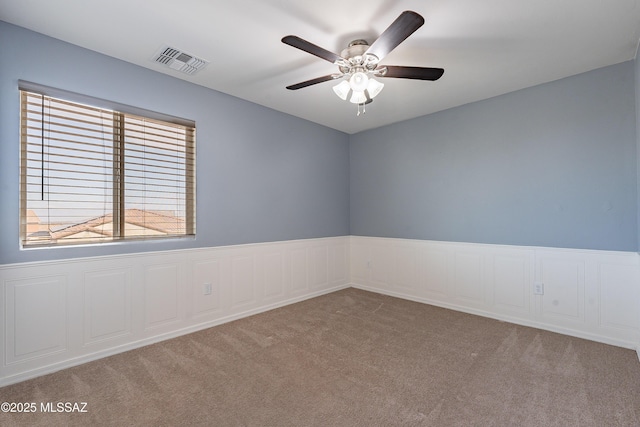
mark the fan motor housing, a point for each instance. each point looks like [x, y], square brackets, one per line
[354, 54]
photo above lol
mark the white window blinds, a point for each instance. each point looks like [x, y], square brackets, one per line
[91, 174]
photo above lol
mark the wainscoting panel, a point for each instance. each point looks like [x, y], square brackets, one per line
[243, 280]
[58, 314]
[468, 277]
[273, 275]
[298, 270]
[205, 286]
[510, 282]
[564, 288]
[161, 295]
[360, 261]
[589, 294]
[381, 265]
[35, 313]
[338, 262]
[619, 294]
[405, 268]
[107, 304]
[318, 267]
[434, 275]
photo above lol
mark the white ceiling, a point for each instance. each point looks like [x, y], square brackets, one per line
[487, 47]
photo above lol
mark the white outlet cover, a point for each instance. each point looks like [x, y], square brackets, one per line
[538, 288]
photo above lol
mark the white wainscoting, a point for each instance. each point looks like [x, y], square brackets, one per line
[589, 294]
[58, 314]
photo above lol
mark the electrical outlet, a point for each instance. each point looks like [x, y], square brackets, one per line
[206, 289]
[538, 288]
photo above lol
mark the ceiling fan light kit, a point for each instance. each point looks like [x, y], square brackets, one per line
[358, 81]
[342, 89]
[358, 64]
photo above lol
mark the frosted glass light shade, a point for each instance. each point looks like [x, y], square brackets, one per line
[358, 97]
[374, 87]
[342, 89]
[359, 81]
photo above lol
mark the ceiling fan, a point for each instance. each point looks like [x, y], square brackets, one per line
[360, 62]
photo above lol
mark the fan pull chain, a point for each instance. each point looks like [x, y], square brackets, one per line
[364, 109]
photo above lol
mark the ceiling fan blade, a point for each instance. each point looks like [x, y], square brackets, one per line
[418, 73]
[311, 82]
[311, 48]
[405, 25]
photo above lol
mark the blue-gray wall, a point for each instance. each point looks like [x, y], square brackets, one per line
[553, 165]
[261, 175]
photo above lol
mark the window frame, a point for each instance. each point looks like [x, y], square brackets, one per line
[120, 198]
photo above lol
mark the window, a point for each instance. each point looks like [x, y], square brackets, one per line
[90, 174]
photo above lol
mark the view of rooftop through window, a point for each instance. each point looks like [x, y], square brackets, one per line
[92, 174]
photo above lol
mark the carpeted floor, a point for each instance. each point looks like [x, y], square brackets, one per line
[350, 358]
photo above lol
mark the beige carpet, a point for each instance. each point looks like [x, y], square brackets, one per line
[351, 358]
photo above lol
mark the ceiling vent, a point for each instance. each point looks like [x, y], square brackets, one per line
[179, 60]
